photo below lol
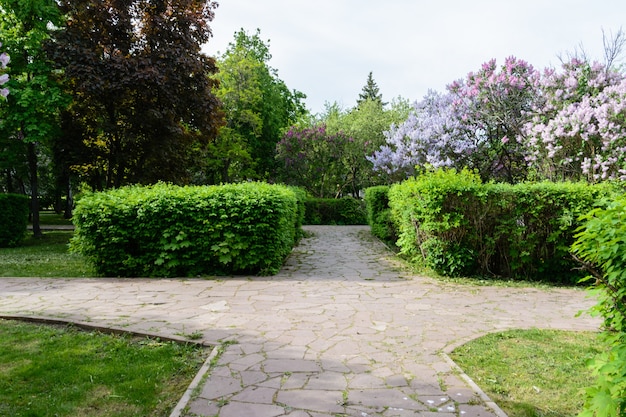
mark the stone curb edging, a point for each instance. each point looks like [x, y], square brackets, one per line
[197, 380]
[484, 397]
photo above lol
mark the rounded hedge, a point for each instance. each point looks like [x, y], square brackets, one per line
[166, 230]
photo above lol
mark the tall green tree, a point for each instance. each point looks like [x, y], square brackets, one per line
[370, 92]
[143, 103]
[36, 96]
[366, 125]
[258, 106]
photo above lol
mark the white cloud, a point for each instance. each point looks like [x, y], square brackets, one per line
[326, 48]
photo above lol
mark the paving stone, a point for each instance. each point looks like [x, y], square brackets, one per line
[236, 409]
[312, 400]
[396, 381]
[220, 387]
[258, 395]
[249, 378]
[204, 408]
[385, 398]
[290, 365]
[328, 381]
[365, 381]
[341, 310]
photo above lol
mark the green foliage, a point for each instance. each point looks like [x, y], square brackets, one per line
[258, 107]
[379, 214]
[31, 115]
[452, 223]
[14, 210]
[366, 125]
[301, 197]
[165, 230]
[370, 92]
[600, 246]
[328, 155]
[339, 211]
[429, 212]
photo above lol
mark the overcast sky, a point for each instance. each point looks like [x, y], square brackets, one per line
[326, 48]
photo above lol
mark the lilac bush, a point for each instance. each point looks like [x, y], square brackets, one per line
[311, 157]
[474, 124]
[432, 135]
[578, 131]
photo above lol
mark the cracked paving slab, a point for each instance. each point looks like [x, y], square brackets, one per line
[342, 330]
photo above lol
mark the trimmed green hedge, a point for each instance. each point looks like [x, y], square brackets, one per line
[335, 211]
[166, 230]
[452, 223]
[14, 209]
[379, 213]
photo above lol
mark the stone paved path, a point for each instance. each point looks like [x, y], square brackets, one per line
[341, 331]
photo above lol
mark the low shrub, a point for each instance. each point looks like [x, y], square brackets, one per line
[335, 211]
[301, 197]
[379, 214]
[165, 230]
[430, 214]
[600, 247]
[452, 223]
[14, 209]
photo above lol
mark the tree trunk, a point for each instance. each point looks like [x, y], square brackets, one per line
[10, 188]
[34, 188]
[69, 200]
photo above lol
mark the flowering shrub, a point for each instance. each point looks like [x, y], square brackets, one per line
[474, 124]
[578, 130]
[432, 135]
[494, 104]
[312, 158]
[4, 61]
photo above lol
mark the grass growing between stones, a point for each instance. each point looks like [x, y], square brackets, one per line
[60, 371]
[531, 373]
[48, 256]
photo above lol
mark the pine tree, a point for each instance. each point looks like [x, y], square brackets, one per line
[370, 92]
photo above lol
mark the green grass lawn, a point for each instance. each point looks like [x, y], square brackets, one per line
[47, 218]
[531, 373]
[63, 371]
[45, 257]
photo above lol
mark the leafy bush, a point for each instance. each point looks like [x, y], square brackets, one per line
[340, 211]
[430, 213]
[452, 223]
[601, 247]
[14, 210]
[301, 197]
[164, 230]
[379, 213]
